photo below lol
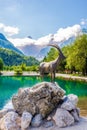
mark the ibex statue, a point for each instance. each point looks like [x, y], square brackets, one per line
[50, 67]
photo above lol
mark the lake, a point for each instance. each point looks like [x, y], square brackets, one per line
[9, 85]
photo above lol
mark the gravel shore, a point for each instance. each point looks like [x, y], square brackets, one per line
[81, 125]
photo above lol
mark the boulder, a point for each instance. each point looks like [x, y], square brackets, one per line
[25, 120]
[2, 113]
[73, 98]
[37, 120]
[40, 99]
[48, 124]
[63, 118]
[11, 121]
[5, 111]
[68, 105]
[69, 102]
[74, 113]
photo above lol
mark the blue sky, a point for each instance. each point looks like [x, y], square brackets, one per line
[38, 18]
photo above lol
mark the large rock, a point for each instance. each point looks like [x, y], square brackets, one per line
[10, 121]
[40, 99]
[68, 105]
[25, 120]
[69, 102]
[63, 118]
[75, 114]
[5, 111]
[37, 120]
[2, 113]
[73, 98]
[48, 124]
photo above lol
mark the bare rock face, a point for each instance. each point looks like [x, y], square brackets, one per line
[63, 118]
[40, 99]
[10, 121]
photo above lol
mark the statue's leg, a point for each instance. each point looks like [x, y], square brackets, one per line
[51, 76]
[54, 76]
[52, 79]
[42, 77]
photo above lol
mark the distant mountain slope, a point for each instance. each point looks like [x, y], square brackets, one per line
[43, 52]
[4, 43]
[30, 50]
[12, 58]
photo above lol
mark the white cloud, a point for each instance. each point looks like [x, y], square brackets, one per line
[1, 25]
[9, 30]
[83, 22]
[22, 41]
[44, 40]
[62, 35]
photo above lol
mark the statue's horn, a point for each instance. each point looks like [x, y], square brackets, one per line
[57, 47]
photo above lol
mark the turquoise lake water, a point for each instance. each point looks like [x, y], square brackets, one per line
[10, 85]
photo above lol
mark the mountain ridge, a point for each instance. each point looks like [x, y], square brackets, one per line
[4, 43]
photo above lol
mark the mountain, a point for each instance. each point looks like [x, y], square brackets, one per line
[30, 50]
[84, 30]
[43, 52]
[67, 42]
[12, 58]
[4, 43]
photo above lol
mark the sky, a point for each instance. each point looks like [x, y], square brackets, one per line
[41, 19]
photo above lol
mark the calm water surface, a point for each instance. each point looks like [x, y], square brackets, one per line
[10, 85]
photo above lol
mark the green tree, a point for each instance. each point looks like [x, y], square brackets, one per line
[1, 64]
[77, 55]
[51, 55]
[23, 67]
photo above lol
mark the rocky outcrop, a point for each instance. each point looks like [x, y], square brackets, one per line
[43, 105]
[40, 99]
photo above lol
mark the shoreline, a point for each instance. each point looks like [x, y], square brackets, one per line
[81, 125]
[58, 75]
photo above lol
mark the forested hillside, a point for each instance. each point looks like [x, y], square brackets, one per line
[11, 58]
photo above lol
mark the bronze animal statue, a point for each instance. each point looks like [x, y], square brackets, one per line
[50, 67]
